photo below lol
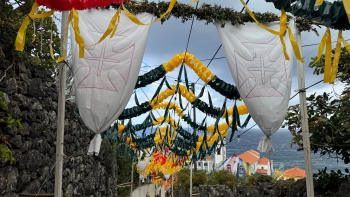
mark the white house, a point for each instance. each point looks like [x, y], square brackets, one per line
[206, 164]
[220, 156]
[256, 164]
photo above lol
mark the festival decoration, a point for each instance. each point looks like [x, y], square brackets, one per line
[197, 66]
[262, 74]
[335, 15]
[189, 96]
[331, 67]
[64, 5]
[330, 14]
[73, 6]
[162, 163]
[105, 77]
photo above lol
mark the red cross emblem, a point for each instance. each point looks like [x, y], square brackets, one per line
[259, 72]
[105, 65]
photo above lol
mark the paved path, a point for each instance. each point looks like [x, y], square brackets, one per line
[148, 188]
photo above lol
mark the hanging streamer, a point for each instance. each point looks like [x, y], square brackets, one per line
[283, 21]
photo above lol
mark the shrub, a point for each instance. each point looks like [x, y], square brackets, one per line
[325, 182]
[223, 177]
[198, 178]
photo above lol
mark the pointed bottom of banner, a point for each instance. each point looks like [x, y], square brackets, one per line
[95, 145]
[265, 145]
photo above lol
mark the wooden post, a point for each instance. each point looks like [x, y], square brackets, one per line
[61, 112]
[172, 186]
[304, 123]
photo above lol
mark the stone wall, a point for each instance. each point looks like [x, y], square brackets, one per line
[31, 94]
[287, 188]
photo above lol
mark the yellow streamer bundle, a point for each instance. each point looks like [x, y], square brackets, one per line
[21, 35]
[331, 68]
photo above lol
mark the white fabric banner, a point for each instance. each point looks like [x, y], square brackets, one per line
[105, 78]
[261, 73]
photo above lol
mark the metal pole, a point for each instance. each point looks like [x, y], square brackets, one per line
[132, 178]
[61, 111]
[172, 186]
[191, 180]
[194, 120]
[304, 123]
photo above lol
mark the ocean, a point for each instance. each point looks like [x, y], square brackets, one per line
[284, 156]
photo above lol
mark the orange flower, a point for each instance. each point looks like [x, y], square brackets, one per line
[121, 128]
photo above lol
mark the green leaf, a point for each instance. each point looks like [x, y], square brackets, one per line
[136, 100]
[6, 153]
[3, 106]
[167, 84]
[167, 110]
[153, 117]
[180, 99]
[180, 73]
[186, 79]
[202, 92]
[184, 108]
[158, 89]
[210, 101]
[328, 138]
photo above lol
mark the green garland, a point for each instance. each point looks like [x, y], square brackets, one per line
[225, 89]
[330, 14]
[150, 77]
[207, 13]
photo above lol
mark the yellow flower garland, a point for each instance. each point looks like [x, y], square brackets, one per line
[197, 66]
[156, 103]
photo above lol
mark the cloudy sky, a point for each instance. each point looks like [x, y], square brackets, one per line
[170, 38]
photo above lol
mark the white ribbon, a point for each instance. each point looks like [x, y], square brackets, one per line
[95, 145]
[265, 144]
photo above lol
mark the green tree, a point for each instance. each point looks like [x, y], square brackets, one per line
[12, 14]
[223, 177]
[329, 117]
[183, 178]
[118, 159]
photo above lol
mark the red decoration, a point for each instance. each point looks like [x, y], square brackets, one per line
[66, 5]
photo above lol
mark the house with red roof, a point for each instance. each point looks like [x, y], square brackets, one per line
[253, 163]
[294, 173]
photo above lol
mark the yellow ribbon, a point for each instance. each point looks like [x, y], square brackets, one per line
[134, 19]
[346, 4]
[193, 2]
[258, 23]
[326, 41]
[283, 22]
[112, 27]
[336, 57]
[64, 41]
[346, 45]
[283, 26]
[21, 35]
[75, 17]
[295, 46]
[319, 2]
[328, 60]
